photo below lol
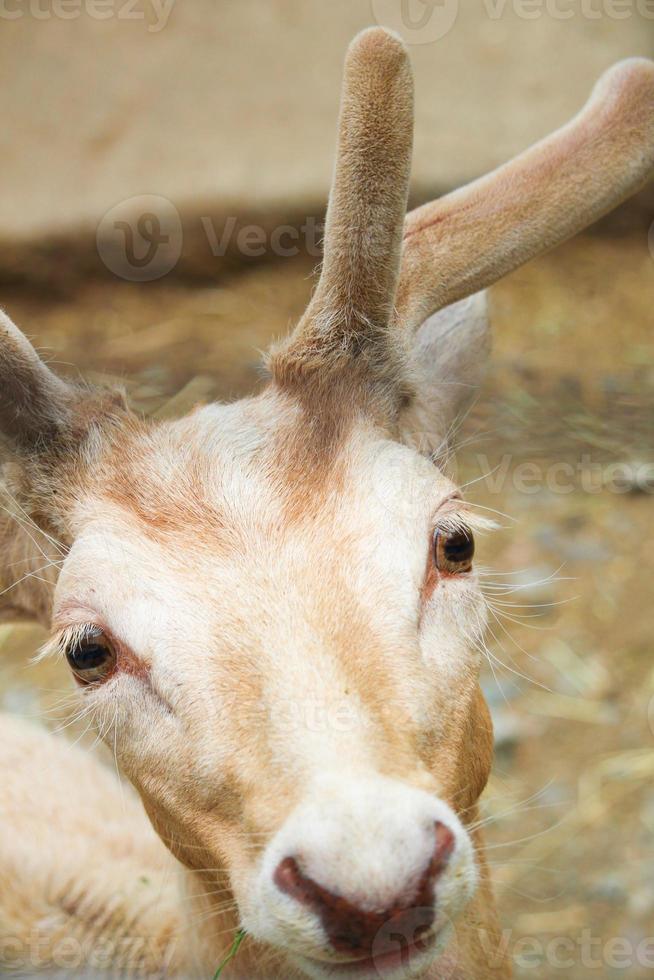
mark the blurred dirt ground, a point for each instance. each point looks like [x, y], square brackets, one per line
[570, 807]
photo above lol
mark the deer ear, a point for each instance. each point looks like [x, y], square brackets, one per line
[448, 363]
[35, 405]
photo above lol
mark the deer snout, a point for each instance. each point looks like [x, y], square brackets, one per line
[354, 930]
[364, 864]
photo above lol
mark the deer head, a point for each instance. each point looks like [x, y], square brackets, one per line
[280, 641]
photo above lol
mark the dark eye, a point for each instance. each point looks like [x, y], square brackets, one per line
[92, 658]
[453, 550]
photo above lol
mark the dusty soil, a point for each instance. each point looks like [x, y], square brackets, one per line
[571, 801]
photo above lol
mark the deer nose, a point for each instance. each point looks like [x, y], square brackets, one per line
[352, 930]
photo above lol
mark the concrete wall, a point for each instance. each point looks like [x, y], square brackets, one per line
[235, 101]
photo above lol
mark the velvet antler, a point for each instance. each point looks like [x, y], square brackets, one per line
[469, 239]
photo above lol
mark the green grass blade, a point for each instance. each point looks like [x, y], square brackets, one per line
[238, 939]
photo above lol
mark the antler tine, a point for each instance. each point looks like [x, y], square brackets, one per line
[474, 236]
[354, 299]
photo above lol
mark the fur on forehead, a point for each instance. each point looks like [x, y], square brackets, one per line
[188, 474]
[264, 462]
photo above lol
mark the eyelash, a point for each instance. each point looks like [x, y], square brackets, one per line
[120, 660]
[453, 523]
[91, 654]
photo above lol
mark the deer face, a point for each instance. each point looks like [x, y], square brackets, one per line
[271, 608]
[279, 645]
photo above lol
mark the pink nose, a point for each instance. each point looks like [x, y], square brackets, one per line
[352, 930]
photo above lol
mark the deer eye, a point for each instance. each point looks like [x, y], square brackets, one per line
[453, 550]
[92, 658]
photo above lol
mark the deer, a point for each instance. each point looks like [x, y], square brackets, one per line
[211, 580]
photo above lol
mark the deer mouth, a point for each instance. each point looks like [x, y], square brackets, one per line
[387, 964]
